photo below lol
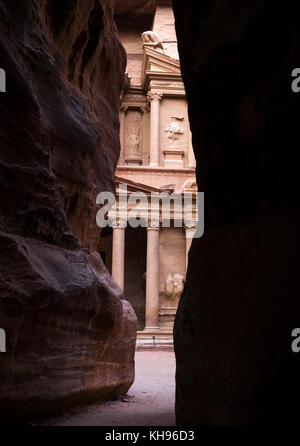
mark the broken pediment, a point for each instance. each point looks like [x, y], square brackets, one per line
[157, 62]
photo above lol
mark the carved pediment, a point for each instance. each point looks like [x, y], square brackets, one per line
[157, 62]
[155, 67]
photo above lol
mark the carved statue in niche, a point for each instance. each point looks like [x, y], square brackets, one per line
[134, 140]
[151, 38]
[173, 289]
[133, 134]
[174, 130]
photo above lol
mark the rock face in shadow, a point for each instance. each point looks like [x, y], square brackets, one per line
[241, 302]
[138, 8]
[134, 7]
[70, 336]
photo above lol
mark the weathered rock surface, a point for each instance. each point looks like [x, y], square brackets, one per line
[241, 301]
[70, 336]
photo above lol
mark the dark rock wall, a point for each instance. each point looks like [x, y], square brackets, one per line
[241, 301]
[70, 337]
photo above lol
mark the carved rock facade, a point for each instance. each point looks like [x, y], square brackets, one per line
[156, 159]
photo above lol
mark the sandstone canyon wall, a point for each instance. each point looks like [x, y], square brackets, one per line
[70, 336]
[241, 301]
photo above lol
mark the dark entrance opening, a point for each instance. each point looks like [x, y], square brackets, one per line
[135, 269]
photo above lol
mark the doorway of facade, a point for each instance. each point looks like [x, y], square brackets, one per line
[135, 271]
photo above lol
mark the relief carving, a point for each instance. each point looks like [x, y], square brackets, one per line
[133, 139]
[173, 289]
[174, 131]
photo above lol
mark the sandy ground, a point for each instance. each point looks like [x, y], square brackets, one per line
[150, 401]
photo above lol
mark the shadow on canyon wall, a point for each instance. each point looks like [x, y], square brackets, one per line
[70, 336]
[241, 301]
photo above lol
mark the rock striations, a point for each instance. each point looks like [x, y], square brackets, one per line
[70, 336]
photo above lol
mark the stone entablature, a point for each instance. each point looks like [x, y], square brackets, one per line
[182, 204]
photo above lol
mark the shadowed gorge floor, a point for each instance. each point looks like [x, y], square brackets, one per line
[150, 401]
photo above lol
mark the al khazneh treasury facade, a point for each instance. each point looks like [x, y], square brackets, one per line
[149, 262]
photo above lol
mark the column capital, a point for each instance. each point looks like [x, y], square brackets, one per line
[153, 225]
[144, 108]
[118, 253]
[154, 96]
[124, 108]
[119, 223]
[190, 225]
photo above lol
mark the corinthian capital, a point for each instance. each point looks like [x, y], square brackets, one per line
[153, 224]
[190, 225]
[154, 96]
[124, 108]
[119, 223]
[144, 108]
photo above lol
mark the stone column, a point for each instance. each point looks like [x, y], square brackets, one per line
[190, 229]
[118, 252]
[152, 276]
[144, 110]
[123, 110]
[154, 128]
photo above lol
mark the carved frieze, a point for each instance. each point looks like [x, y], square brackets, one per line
[163, 84]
